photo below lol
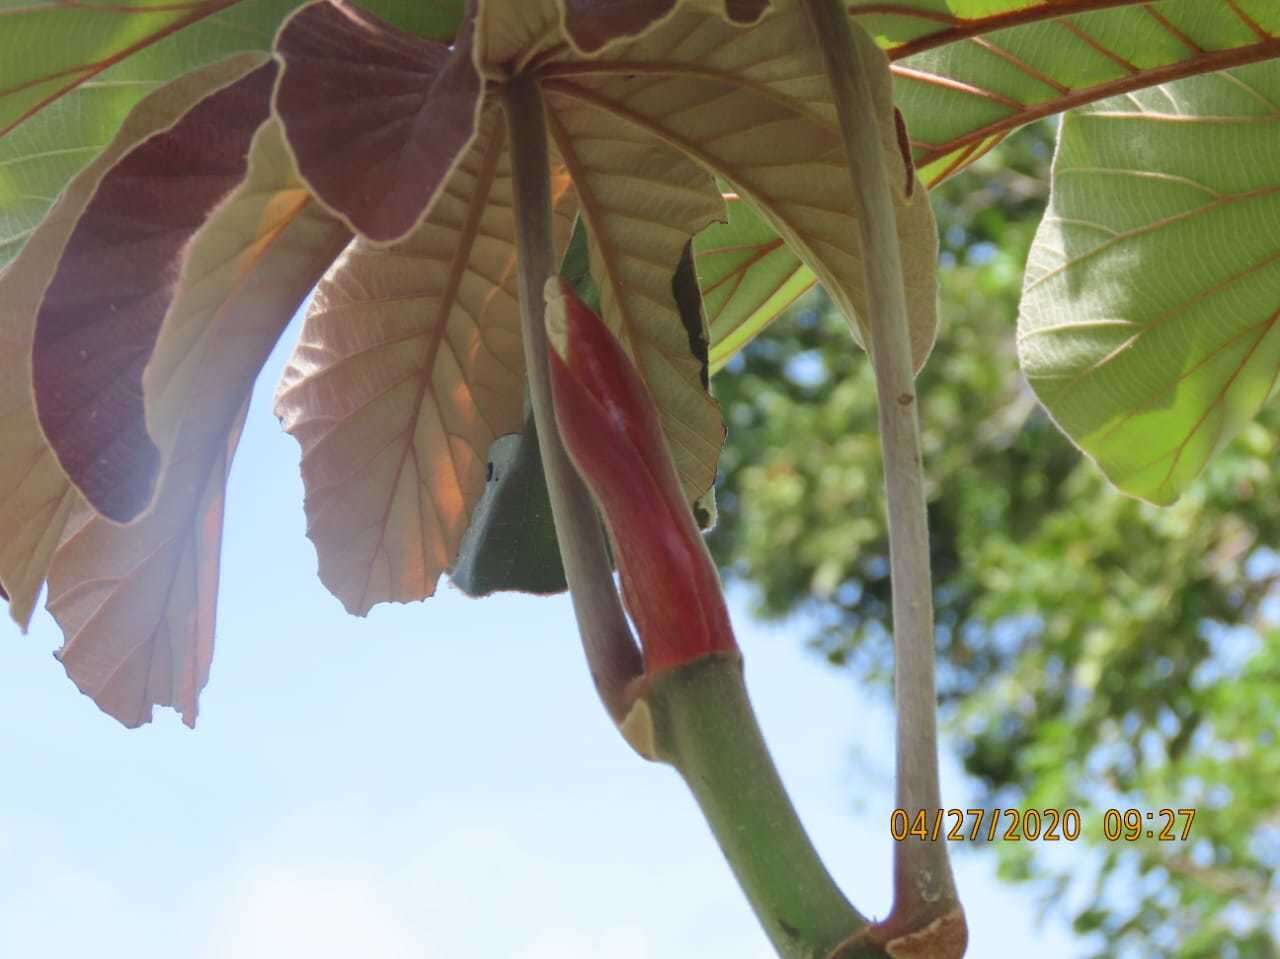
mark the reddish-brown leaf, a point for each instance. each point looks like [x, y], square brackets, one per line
[36, 498]
[137, 603]
[409, 366]
[377, 119]
[102, 311]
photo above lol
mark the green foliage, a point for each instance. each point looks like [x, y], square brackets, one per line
[1149, 313]
[1096, 651]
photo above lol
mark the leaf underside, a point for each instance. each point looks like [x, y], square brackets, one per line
[1149, 315]
[432, 371]
[71, 72]
[963, 82]
[748, 275]
[136, 603]
[644, 131]
[35, 496]
[967, 73]
[408, 367]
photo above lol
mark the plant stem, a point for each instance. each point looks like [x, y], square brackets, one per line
[703, 724]
[924, 890]
[612, 654]
[695, 716]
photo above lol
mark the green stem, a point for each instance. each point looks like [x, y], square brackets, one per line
[696, 717]
[703, 724]
[924, 890]
[612, 654]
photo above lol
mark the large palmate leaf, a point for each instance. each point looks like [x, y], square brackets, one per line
[638, 129]
[136, 603]
[71, 72]
[1152, 295]
[175, 279]
[35, 496]
[396, 412]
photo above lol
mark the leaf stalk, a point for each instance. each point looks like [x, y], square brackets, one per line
[926, 918]
[611, 652]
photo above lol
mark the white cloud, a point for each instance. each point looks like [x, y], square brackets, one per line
[282, 911]
[622, 943]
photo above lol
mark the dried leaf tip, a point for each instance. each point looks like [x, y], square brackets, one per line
[556, 319]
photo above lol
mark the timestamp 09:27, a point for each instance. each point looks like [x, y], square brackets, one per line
[1044, 825]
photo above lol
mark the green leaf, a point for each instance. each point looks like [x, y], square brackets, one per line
[969, 72]
[748, 277]
[71, 116]
[1153, 289]
[70, 74]
[511, 543]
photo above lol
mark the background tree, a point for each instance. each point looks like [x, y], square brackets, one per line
[1096, 652]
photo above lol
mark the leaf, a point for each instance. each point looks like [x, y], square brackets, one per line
[103, 308]
[408, 109]
[75, 91]
[89, 39]
[510, 543]
[136, 603]
[748, 277]
[753, 107]
[409, 366]
[592, 25]
[1150, 307]
[35, 497]
[433, 372]
[968, 73]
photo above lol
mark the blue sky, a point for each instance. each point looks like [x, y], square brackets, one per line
[435, 780]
